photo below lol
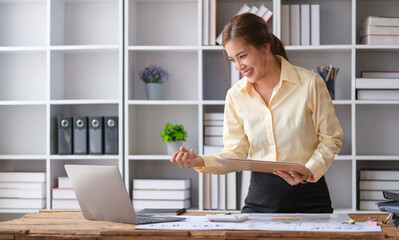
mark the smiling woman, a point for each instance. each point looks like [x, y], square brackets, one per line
[276, 112]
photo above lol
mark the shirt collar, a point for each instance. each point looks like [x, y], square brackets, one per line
[288, 74]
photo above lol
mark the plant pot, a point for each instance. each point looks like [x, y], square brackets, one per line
[154, 91]
[173, 147]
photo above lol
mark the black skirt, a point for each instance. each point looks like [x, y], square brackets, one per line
[269, 193]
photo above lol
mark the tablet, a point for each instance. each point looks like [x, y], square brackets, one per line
[263, 166]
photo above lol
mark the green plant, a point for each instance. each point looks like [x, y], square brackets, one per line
[173, 133]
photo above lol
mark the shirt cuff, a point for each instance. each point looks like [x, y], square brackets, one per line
[316, 169]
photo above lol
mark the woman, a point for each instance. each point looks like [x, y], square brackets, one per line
[276, 112]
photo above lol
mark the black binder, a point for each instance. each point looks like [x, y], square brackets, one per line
[79, 135]
[95, 135]
[111, 135]
[64, 127]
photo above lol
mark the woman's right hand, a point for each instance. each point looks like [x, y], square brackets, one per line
[187, 158]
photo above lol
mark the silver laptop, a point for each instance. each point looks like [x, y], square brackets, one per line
[102, 196]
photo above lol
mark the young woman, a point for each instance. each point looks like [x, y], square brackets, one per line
[276, 112]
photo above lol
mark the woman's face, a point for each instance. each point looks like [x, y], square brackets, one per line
[247, 59]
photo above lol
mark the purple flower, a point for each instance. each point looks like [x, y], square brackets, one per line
[153, 74]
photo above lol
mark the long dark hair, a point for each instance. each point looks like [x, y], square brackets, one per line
[253, 29]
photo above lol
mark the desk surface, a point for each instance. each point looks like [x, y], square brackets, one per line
[52, 224]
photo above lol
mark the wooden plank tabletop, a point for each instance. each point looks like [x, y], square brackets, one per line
[53, 224]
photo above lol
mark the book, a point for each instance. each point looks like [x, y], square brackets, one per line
[380, 21]
[161, 194]
[161, 211]
[141, 204]
[23, 185]
[214, 191]
[380, 74]
[63, 182]
[377, 83]
[213, 131]
[305, 24]
[261, 11]
[254, 9]
[372, 94]
[213, 140]
[244, 8]
[213, 123]
[207, 191]
[368, 205]
[379, 39]
[175, 184]
[295, 24]
[371, 195]
[22, 203]
[222, 191]
[378, 185]
[63, 193]
[22, 177]
[285, 24]
[205, 22]
[379, 30]
[65, 204]
[22, 193]
[268, 15]
[245, 181]
[208, 149]
[212, 21]
[379, 175]
[214, 116]
[315, 24]
[231, 191]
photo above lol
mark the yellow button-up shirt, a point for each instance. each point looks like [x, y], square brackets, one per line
[299, 125]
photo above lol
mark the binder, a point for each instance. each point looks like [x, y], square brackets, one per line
[79, 135]
[111, 135]
[95, 135]
[64, 127]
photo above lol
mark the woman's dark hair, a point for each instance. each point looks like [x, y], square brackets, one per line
[253, 29]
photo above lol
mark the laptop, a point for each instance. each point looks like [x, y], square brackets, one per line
[102, 195]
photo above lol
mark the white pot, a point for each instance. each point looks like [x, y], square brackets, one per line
[173, 147]
[154, 91]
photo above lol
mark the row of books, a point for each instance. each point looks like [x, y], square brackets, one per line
[23, 190]
[209, 21]
[371, 185]
[379, 30]
[63, 196]
[213, 131]
[300, 24]
[161, 193]
[378, 85]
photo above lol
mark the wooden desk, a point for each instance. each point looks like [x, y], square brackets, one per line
[52, 224]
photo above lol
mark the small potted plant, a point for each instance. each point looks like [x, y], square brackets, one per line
[154, 77]
[173, 135]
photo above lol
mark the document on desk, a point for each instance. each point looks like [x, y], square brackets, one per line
[271, 222]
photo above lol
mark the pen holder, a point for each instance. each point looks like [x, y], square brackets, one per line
[331, 88]
[329, 73]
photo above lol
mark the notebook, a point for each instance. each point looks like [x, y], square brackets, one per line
[102, 196]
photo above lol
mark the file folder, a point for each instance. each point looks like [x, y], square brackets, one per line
[64, 127]
[79, 135]
[95, 135]
[111, 135]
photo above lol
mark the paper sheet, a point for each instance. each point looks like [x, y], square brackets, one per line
[271, 222]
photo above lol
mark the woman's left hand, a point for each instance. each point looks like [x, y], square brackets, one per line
[292, 178]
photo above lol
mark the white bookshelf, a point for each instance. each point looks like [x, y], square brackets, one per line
[82, 57]
[57, 57]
